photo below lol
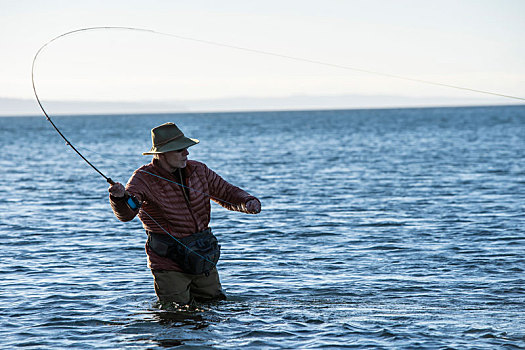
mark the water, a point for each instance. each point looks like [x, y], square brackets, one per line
[380, 228]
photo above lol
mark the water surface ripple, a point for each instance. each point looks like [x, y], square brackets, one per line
[380, 228]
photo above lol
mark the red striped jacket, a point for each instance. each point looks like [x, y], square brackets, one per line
[165, 202]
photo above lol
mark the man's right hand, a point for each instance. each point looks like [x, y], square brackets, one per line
[117, 190]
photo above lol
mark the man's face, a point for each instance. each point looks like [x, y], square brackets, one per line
[174, 159]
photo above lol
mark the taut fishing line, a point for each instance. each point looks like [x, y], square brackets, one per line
[268, 53]
[246, 49]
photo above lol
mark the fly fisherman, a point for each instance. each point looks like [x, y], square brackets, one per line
[171, 196]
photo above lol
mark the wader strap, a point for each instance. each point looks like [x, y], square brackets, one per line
[160, 243]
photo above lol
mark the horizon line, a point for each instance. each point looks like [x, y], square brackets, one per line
[62, 114]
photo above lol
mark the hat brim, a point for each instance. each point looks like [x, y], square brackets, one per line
[175, 145]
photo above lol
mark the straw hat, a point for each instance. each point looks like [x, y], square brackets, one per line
[168, 137]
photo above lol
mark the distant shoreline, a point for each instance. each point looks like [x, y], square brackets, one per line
[262, 111]
[13, 107]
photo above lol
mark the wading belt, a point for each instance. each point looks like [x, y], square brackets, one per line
[195, 254]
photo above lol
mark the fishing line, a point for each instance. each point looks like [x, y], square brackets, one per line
[178, 241]
[208, 42]
[275, 54]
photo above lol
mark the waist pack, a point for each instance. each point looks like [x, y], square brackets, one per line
[195, 254]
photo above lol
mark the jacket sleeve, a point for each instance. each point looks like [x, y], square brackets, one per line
[135, 187]
[226, 194]
[121, 209]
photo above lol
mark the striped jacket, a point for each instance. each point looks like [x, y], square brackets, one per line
[166, 207]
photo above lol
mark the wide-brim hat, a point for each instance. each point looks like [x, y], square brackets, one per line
[168, 137]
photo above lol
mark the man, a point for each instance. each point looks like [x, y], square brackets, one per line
[171, 196]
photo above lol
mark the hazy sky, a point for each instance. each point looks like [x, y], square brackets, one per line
[477, 44]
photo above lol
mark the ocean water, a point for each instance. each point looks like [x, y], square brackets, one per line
[394, 229]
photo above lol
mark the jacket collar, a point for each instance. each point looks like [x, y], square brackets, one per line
[164, 173]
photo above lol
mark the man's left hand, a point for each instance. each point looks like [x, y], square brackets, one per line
[253, 206]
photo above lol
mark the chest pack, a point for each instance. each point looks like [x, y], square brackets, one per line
[195, 254]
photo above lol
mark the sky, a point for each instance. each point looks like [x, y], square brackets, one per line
[474, 44]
